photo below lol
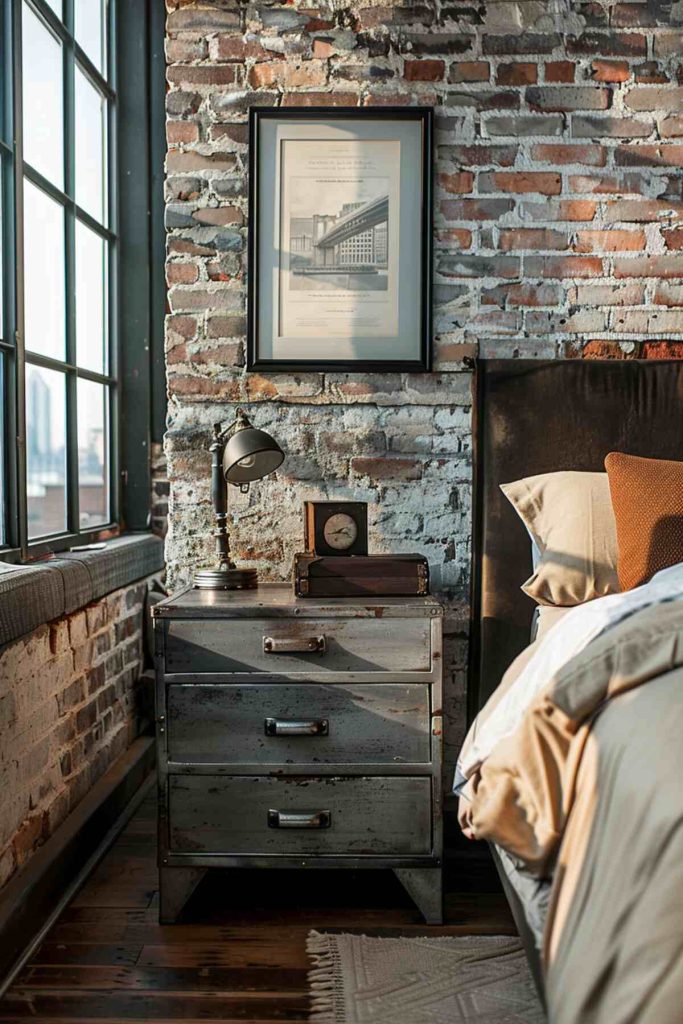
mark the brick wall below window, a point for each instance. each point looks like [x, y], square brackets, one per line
[71, 701]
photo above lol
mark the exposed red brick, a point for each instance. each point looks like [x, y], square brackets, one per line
[543, 182]
[201, 74]
[459, 238]
[263, 75]
[238, 133]
[609, 241]
[532, 238]
[649, 266]
[424, 70]
[610, 71]
[181, 273]
[179, 132]
[643, 210]
[670, 154]
[673, 238]
[229, 354]
[230, 47]
[569, 153]
[577, 209]
[560, 71]
[311, 73]
[458, 183]
[469, 71]
[517, 74]
[475, 209]
[391, 99]
[563, 266]
[322, 49]
[662, 350]
[597, 350]
[184, 326]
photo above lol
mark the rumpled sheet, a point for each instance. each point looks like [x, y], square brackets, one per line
[588, 787]
[540, 662]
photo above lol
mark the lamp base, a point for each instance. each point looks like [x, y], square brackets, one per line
[225, 579]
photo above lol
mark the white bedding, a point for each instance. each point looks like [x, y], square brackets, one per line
[552, 651]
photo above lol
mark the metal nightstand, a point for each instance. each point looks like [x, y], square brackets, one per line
[299, 733]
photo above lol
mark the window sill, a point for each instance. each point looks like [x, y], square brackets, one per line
[31, 595]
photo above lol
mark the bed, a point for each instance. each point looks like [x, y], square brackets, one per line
[534, 417]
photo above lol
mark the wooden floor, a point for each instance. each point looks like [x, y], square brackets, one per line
[238, 953]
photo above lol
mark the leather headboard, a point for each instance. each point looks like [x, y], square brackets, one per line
[534, 416]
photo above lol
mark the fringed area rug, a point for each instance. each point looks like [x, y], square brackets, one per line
[442, 980]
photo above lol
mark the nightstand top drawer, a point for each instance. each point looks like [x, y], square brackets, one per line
[277, 600]
[302, 647]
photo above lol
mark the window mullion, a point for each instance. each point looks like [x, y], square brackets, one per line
[72, 504]
[21, 505]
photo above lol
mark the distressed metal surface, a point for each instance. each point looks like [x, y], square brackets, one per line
[425, 888]
[225, 724]
[360, 645]
[277, 600]
[203, 811]
[369, 816]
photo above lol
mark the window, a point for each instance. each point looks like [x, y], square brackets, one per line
[58, 260]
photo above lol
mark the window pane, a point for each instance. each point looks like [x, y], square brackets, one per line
[44, 273]
[42, 98]
[90, 25]
[91, 299]
[46, 451]
[91, 185]
[56, 6]
[93, 454]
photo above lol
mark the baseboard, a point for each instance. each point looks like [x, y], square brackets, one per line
[32, 898]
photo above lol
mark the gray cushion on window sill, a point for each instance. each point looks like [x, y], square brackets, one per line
[31, 595]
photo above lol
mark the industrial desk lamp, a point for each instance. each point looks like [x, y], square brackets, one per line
[239, 454]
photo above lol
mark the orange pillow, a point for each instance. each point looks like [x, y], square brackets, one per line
[647, 497]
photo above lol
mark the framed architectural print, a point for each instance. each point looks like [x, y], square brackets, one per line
[340, 239]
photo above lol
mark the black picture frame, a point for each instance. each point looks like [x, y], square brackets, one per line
[423, 361]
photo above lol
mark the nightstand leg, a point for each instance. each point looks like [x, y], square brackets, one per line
[176, 885]
[424, 886]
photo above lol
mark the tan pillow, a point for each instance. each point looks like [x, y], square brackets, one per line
[569, 516]
[647, 495]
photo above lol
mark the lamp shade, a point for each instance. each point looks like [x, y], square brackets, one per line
[249, 455]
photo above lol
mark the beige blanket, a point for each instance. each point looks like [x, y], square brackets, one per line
[590, 787]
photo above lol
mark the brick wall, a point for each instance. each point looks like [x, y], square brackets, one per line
[70, 703]
[558, 232]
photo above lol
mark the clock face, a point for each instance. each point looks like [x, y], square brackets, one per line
[340, 531]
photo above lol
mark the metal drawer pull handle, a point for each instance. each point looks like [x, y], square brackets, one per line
[294, 645]
[299, 819]
[297, 727]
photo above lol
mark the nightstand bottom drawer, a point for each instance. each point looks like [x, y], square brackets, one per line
[313, 816]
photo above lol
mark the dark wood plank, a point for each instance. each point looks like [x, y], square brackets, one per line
[228, 980]
[150, 1006]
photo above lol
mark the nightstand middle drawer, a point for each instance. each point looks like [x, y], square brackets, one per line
[380, 723]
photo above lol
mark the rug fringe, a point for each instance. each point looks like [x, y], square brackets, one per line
[326, 996]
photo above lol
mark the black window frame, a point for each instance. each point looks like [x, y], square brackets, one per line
[135, 333]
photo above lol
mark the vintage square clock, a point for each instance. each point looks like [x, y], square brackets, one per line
[336, 527]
